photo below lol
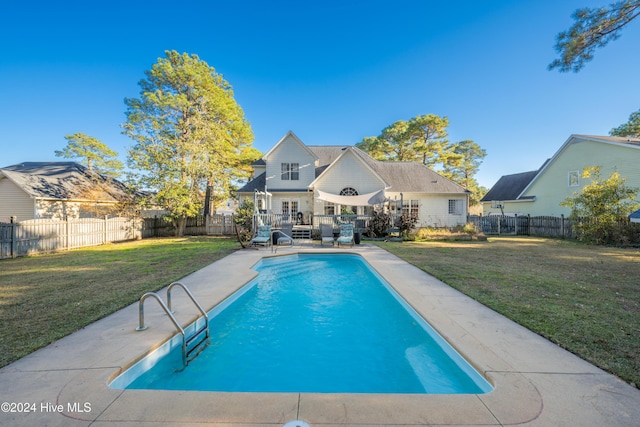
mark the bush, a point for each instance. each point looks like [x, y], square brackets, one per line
[470, 228]
[243, 220]
[600, 208]
[406, 223]
[378, 224]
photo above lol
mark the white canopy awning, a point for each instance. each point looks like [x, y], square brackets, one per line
[369, 199]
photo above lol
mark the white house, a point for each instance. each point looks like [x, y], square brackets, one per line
[296, 179]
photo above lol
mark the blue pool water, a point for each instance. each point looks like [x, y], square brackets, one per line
[314, 323]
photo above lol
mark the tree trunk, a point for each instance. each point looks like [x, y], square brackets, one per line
[181, 225]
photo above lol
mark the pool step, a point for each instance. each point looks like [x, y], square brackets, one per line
[200, 337]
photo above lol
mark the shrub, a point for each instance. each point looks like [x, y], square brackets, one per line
[600, 206]
[470, 228]
[243, 220]
[406, 222]
[378, 224]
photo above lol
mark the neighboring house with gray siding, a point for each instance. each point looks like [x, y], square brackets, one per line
[329, 180]
[56, 190]
[539, 193]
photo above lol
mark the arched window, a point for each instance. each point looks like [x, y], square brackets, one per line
[348, 191]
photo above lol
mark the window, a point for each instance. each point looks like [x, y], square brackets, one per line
[290, 207]
[411, 207]
[290, 171]
[329, 208]
[348, 191]
[455, 207]
[574, 179]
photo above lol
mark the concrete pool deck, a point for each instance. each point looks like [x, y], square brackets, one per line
[536, 382]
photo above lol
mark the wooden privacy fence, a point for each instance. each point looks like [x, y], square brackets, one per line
[214, 225]
[524, 225]
[48, 235]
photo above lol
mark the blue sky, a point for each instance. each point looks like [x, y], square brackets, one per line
[333, 72]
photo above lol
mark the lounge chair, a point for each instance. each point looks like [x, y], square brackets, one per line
[286, 233]
[326, 234]
[346, 235]
[263, 237]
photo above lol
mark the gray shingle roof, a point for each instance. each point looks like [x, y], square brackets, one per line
[509, 187]
[410, 177]
[63, 181]
[400, 176]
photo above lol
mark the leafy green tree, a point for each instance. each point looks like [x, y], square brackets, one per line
[631, 128]
[462, 166]
[92, 153]
[428, 134]
[600, 206]
[422, 138]
[190, 135]
[593, 28]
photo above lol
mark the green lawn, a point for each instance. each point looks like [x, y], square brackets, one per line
[45, 297]
[584, 298]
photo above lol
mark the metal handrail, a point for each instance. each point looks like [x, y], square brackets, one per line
[142, 326]
[182, 285]
[274, 248]
[167, 309]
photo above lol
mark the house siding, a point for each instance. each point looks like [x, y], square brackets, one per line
[551, 187]
[510, 208]
[290, 151]
[348, 171]
[433, 209]
[14, 202]
[304, 201]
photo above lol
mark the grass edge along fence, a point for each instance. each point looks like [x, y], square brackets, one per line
[29, 237]
[48, 235]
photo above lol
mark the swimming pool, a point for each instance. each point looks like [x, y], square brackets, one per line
[313, 323]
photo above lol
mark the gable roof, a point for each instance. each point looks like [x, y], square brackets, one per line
[512, 187]
[365, 159]
[612, 140]
[408, 177]
[509, 187]
[293, 136]
[62, 181]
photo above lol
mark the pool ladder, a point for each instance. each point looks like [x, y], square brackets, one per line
[191, 346]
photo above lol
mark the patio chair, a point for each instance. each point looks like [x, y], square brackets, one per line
[326, 234]
[346, 235]
[286, 233]
[263, 237]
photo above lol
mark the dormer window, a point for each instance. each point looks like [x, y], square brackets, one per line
[290, 171]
